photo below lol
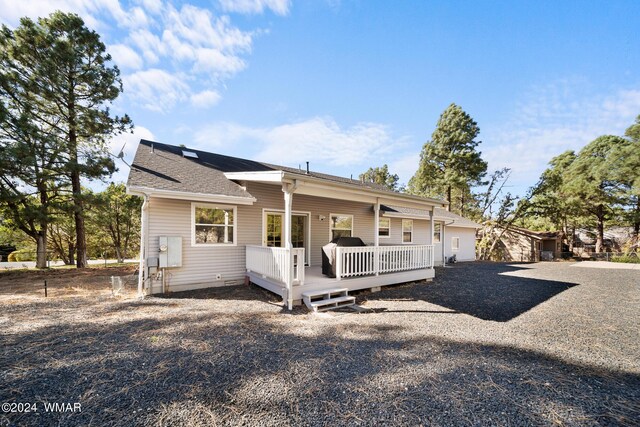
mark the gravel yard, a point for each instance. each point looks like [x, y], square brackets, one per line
[483, 344]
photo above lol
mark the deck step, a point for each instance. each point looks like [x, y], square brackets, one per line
[331, 303]
[327, 299]
[320, 293]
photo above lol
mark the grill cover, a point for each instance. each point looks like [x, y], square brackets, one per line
[329, 253]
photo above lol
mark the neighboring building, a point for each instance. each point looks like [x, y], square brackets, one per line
[616, 239]
[212, 220]
[520, 244]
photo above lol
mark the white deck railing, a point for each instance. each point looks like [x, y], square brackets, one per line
[368, 260]
[275, 263]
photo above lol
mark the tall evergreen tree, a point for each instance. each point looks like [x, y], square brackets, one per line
[552, 199]
[31, 156]
[117, 214]
[73, 85]
[449, 162]
[593, 181]
[629, 173]
[633, 131]
[382, 176]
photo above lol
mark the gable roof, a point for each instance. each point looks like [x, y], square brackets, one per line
[458, 221]
[164, 167]
[538, 235]
[450, 218]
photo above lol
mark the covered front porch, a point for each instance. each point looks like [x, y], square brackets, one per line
[301, 213]
[356, 268]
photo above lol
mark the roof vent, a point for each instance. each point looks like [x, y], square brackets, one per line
[189, 154]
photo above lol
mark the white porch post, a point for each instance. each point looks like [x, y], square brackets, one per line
[376, 237]
[288, 190]
[432, 214]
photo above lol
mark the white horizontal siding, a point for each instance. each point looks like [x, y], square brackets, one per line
[200, 265]
[421, 232]
[467, 237]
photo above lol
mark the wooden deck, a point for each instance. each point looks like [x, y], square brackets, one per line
[316, 281]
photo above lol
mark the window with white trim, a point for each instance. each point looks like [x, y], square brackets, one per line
[407, 231]
[213, 225]
[341, 225]
[384, 227]
[437, 232]
[455, 243]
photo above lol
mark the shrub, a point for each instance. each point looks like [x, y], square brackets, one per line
[631, 259]
[22, 255]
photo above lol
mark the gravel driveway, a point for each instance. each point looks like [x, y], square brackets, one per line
[483, 344]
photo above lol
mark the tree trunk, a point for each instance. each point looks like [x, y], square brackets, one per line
[572, 239]
[119, 256]
[41, 249]
[71, 253]
[636, 223]
[600, 237]
[449, 197]
[78, 209]
[78, 216]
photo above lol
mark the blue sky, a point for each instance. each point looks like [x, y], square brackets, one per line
[351, 84]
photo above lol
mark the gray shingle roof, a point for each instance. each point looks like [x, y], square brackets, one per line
[420, 213]
[445, 215]
[167, 169]
[440, 214]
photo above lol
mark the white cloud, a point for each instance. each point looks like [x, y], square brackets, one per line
[188, 42]
[150, 45]
[405, 166]
[125, 57]
[152, 6]
[217, 63]
[91, 11]
[225, 134]
[560, 116]
[319, 139]
[156, 90]
[323, 139]
[280, 7]
[206, 98]
[201, 48]
[200, 28]
[11, 11]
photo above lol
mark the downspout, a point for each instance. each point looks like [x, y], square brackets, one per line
[288, 190]
[144, 219]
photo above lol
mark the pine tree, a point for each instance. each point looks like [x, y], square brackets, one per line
[381, 175]
[449, 162]
[593, 181]
[72, 84]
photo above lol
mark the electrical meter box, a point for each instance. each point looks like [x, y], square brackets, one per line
[170, 248]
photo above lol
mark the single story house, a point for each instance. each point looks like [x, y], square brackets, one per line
[214, 220]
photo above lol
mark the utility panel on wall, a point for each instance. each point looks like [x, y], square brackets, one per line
[170, 251]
